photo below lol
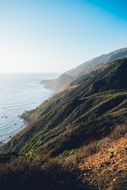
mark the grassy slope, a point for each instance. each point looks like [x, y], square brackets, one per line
[78, 126]
[78, 115]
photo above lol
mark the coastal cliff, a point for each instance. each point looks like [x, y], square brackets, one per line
[78, 136]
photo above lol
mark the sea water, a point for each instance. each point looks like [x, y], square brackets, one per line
[19, 93]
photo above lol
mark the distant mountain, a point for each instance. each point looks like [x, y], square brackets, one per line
[99, 62]
[60, 83]
[103, 59]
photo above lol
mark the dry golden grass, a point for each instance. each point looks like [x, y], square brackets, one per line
[103, 163]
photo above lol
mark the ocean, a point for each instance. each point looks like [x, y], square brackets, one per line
[19, 93]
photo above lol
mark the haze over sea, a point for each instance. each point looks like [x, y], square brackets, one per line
[18, 93]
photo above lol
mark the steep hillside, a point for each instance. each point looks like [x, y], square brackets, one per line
[78, 115]
[75, 140]
[99, 62]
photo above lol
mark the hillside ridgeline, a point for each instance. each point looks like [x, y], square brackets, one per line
[100, 62]
[77, 139]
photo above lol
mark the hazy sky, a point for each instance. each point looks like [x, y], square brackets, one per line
[57, 35]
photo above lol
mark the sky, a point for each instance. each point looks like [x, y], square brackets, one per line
[53, 36]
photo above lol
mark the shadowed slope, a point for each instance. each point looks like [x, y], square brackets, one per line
[75, 140]
[78, 115]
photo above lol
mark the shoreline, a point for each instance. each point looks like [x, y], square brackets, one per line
[26, 99]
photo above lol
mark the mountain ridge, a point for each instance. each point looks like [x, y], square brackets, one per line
[48, 119]
[99, 62]
[77, 139]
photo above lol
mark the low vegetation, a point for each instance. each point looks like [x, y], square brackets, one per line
[75, 140]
